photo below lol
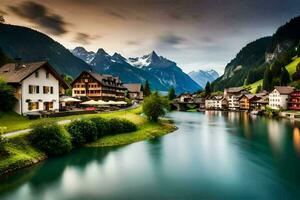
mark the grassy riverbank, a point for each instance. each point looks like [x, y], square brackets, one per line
[22, 154]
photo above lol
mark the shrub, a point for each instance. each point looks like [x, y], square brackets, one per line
[102, 126]
[3, 151]
[82, 131]
[155, 106]
[50, 138]
[7, 96]
[121, 126]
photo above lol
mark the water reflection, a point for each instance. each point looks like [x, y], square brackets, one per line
[296, 140]
[213, 155]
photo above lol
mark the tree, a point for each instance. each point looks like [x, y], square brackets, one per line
[276, 68]
[147, 90]
[155, 106]
[171, 94]
[258, 89]
[267, 82]
[68, 79]
[208, 89]
[284, 77]
[7, 96]
[296, 75]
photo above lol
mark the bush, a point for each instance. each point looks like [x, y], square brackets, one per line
[3, 151]
[121, 126]
[7, 96]
[82, 131]
[102, 126]
[155, 106]
[50, 138]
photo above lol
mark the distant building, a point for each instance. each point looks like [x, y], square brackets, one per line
[98, 86]
[38, 86]
[185, 97]
[246, 101]
[233, 95]
[135, 91]
[294, 102]
[200, 101]
[279, 97]
[216, 102]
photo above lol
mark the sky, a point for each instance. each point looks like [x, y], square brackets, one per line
[196, 34]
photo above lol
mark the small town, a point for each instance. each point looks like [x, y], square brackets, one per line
[159, 99]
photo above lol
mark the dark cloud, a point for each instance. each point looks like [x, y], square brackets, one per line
[84, 38]
[41, 16]
[171, 39]
[116, 15]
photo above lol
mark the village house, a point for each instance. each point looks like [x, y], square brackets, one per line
[38, 86]
[216, 102]
[134, 91]
[294, 102]
[246, 101]
[279, 97]
[233, 95]
[200, 101]
[98, 87]
[185, 98]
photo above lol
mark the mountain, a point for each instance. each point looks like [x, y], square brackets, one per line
[202, 77]
[31, 45]
[159, 71]
[250, 63]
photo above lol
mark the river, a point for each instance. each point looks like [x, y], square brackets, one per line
[213, 155]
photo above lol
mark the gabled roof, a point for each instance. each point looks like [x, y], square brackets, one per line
[133, 87]
[235, 89]
[103, 79]
[284, 89]
[12, 74]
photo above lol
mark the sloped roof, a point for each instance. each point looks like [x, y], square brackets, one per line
[12, 74]
[235, 89]
[284, 89]
[103, 79]
[133, 87]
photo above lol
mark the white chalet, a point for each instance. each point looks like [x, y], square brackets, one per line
[215, 102]
[279, 97]
[38, 86]
[233, 95]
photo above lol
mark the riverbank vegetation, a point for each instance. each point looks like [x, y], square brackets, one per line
[100, 130]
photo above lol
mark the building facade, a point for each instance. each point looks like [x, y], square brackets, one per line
[37, 85]
[98, 87]
[294, 102]
[233, 95]
[134, 91]
[279, 97]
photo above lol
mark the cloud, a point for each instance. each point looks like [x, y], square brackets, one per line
[41, 16]
[117, 15]
[84, 38]
[170, 39]
[132, 42]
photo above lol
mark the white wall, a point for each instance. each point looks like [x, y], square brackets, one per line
[277, 101]
[41, 81]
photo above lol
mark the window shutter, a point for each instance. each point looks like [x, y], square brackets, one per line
[51, 90]
[37, 89]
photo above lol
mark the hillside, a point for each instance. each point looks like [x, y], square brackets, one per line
[31, 45]
[291, 68]
[250, 63]
[251, 57]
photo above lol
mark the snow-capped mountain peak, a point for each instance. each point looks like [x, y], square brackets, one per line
[204, 76]
[83, 54]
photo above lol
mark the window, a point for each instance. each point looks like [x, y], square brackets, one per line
[46, 89]
[34, 89]
[36, 74]
[33, 105]
[47, 74]
[51, 90]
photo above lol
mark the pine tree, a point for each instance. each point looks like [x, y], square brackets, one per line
[284, 77]
[296, 75]
[171, 94]
[147, 90]
[208, 89]
[267, 82]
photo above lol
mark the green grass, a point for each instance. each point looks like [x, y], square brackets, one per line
[21, 154]
[146, 131]
[291, 68]
[13, 122]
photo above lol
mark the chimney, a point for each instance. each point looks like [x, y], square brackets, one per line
[18, 63]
